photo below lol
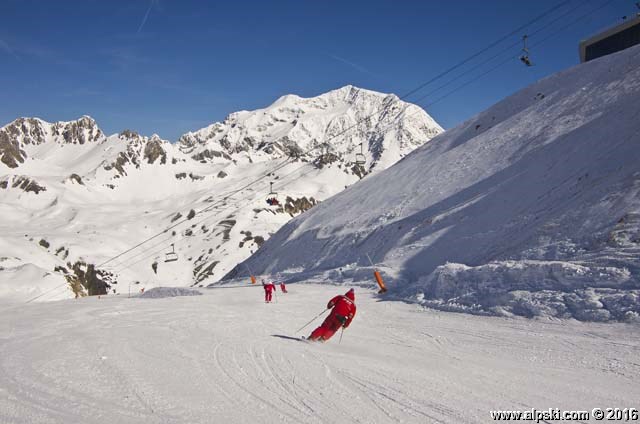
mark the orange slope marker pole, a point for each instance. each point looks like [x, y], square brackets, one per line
[377, 276]
[253, 279]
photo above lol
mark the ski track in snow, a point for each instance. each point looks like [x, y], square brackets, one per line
[218, 358]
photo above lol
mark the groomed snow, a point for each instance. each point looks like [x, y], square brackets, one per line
[226, 356]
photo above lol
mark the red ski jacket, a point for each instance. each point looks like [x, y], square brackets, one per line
[343, 308]
[269, 287]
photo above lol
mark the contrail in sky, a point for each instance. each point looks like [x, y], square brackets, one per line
[352, 64]
[146, 15]
[5, 46]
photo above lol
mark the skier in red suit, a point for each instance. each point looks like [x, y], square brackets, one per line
[283, 287]
[344, 309]
[268, 290]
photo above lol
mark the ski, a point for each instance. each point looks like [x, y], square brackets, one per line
[299, 339]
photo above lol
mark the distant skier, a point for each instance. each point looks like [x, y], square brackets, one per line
[268, 291]
[343, 309]
[283, 287]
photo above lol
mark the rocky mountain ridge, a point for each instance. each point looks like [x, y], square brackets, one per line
[92, 196]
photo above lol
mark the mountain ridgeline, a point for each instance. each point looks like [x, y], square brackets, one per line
[90, 196]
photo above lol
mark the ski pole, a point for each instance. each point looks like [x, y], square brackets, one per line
[341, 332]
[313, 319]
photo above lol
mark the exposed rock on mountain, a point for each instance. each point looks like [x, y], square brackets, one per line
[206, 195]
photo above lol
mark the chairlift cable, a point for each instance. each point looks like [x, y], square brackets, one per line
[549, 11]
[364, 119]
[206, 209]
[499, 64]
[490, 46]
[607, 2]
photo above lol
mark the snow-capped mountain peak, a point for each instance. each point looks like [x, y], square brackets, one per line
[89, 196]
[339, 121]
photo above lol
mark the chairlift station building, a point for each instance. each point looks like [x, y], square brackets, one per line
[613, 40]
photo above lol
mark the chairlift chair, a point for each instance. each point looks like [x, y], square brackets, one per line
[171, 256]
[525, 52]
[360, 159]
[272, 197]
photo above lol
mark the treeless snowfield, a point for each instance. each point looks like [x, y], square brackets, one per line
[225, 357]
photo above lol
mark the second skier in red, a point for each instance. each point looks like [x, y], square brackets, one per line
[268, 290]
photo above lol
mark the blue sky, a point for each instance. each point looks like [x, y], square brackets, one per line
[171, 66]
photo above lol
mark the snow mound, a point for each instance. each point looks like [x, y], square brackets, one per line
[532, 289]
[161, 292]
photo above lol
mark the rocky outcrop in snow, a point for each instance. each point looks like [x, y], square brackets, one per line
[136, 149]
[33, 131]
[22, 182]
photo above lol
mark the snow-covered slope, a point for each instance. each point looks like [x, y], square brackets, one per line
[71, 197]
[531, 207]
[227, 357]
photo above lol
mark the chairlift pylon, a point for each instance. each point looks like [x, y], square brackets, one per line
[525, 52]
[171, 256]
[360, 159]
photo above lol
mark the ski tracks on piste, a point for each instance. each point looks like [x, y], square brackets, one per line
[248, 380]
[290, 383]
[273, 381]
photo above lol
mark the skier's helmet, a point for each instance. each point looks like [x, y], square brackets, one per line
[351, 294]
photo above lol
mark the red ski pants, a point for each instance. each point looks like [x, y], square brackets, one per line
[327, 329]
[267, 296]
